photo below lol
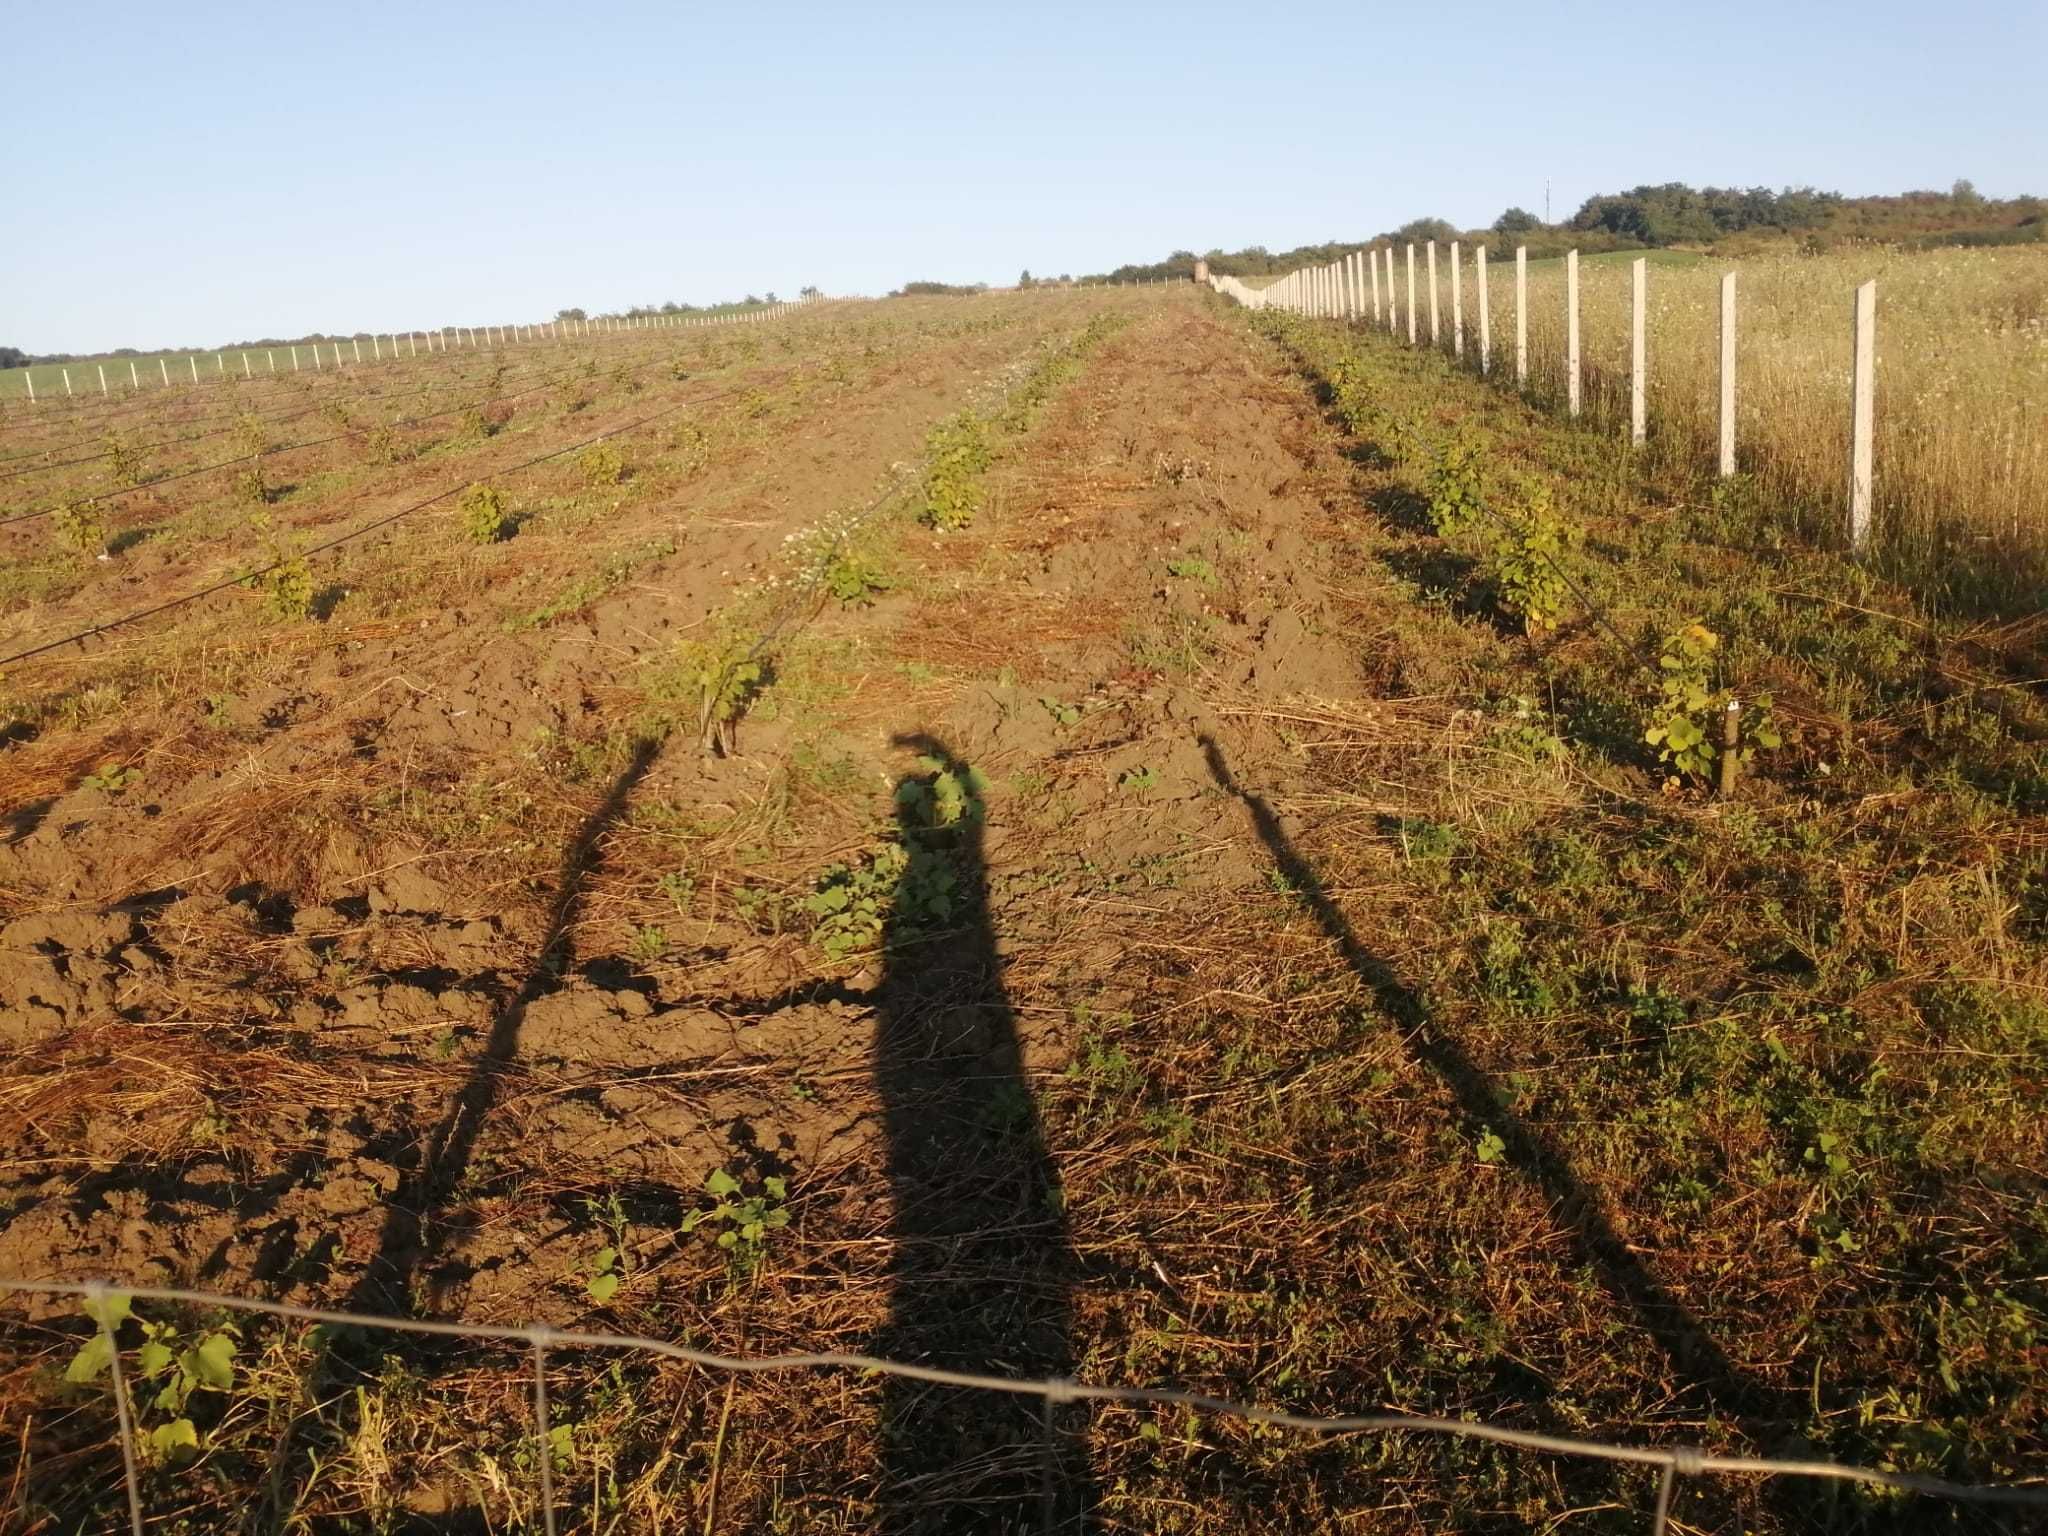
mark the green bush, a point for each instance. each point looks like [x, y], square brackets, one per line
[81, 529]
[1686, 719]
[484, 520]
[1528, 560]
[1457, 485]
[602, 465]
[958, 455]
[856, 580]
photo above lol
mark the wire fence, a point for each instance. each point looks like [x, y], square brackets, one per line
[1671, 1462]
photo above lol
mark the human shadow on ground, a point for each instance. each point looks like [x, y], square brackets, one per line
[982, 1271]
[414, 1233]
[1697, 1363]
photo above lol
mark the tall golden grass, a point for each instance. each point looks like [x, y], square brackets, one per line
[1962, 393]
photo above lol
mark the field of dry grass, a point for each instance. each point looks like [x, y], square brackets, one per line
[1011, 834]
[1962, 393]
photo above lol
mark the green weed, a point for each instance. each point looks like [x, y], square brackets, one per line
[482, 514]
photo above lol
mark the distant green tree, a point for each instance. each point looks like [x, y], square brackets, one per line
[1420, 230]
[571, 314]
[1516, 221]
[1024, 278]
[1964, 193]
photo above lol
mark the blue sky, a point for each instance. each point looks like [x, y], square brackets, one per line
[194, 174]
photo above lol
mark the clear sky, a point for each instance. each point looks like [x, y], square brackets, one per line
[186, 174]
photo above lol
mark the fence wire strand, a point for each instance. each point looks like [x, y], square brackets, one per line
[1672, 1462]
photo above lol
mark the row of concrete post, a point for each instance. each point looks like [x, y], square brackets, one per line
[462, 336]
[1350, 289]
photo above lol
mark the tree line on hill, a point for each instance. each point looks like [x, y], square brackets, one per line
[1730, 220]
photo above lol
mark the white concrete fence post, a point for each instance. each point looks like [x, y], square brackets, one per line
[1571, 331]
[1435, 331]
[1862, 415]
[134, 381]
[1485, 314]
[67, 383]
[103, 376]
[1393, 323]
[1638, 366]
[28, 377]
[163, 368]
[1457, 304]
[1521, 317]
[1411, 293]
[193, 364]
[1372, 259]
[1727, 464]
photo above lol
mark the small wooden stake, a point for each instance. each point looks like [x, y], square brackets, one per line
[1731, 735]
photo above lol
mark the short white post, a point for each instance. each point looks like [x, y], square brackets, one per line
[1485, 315]
[193, 364]
[1571, 331]
[412, 344]
[1457, 304]
[134, 381]
[357, 343]
[164, 369]
[1862, 415]
[376, 349]
[1393, 321]
[28, 377]
[67, 383]
[1521, 317]
[1638, 370]
[247, 371]
[1372, 259]
[1727, 374]
[1435, 332]
[295, 359]
[1411, 293]
[219, 363]
[103, 376]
